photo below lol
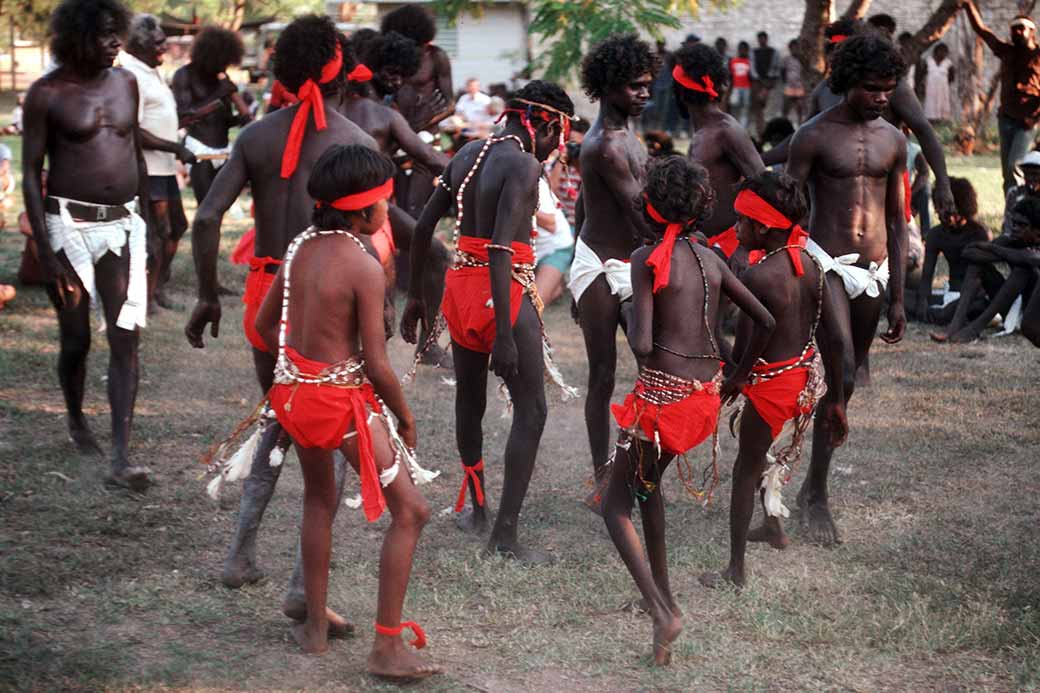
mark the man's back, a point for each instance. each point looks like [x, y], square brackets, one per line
[608, 155]
[713, 146]
[482, 201]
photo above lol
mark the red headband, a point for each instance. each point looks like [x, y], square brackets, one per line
[360, 73]
[838, 38]
[754, 207]
[525, 120]
[661, 259]
[705, 85]
[361, 200]
[310, 100]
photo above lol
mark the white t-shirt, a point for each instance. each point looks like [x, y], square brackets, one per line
[546, 242]
[474, 108]
[157, 112]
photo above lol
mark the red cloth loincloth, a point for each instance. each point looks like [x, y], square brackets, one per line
[727, 241]
[467, 295]
[682, 425]
[776, 399]
[258, 283]
[908, 194]
[318, 416]
[244, 248]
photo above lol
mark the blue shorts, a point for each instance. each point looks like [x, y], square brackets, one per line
[560, 259]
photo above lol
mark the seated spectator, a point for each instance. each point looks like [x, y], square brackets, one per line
[15, 128]
[949, 240]
[1020, 249]
[553, 245]
[8, 184]
[30, 272]
[1029, 166]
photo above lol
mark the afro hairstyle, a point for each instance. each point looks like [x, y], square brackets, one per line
[843, 27]
[412, 21]
[350, 61]
[345, 170]
[885, 22]
[965, 198]
[540, 92]
[699, 61]
[76, 26]
[397, 52]
[679, 190]
[303, 49]
[777, 130]
[215, 49]
[781, 191]
[861, 58]
[616, 61]
[1029, 207]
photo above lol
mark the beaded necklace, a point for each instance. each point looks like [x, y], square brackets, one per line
[707, 328]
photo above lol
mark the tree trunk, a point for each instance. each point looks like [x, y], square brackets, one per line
[1026, 6]
[857, 9]
[810, 40]
[970, 69]
[937, 25]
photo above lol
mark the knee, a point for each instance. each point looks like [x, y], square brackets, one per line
[601, 379]
[415, 514]
[76, 344]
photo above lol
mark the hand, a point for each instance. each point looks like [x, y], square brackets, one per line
[504, 357]
[731, 388]
[58, 275]
[186, 156]
[414, 314]
[205, 313]
[406, 429]
[896, 324]
[837, 422]
[389, 318]
[942, 197]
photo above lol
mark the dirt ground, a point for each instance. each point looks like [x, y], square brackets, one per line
[935, 587]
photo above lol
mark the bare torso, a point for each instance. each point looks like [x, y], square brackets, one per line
[792, 300]
[194, 91]
[482, 203]
[610, 158]
[723, 147]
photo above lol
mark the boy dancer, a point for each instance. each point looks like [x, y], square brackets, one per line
[326, 394]
[788, 381]
[675, 404]
[494, 187]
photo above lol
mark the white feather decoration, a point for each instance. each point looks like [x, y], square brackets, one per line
[277, 457]
[237, 467]
[773, 484]
[214, 486]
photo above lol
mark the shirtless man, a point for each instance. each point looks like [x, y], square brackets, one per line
[431, 83]
[618, 72]
[493, 184]
[858, 227]
[392, 58]
[82, 117]
[308, 62]
[207, 100]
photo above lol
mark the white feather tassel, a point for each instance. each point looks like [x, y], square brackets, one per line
[567, 392]
[773, 484]
[214, 486]
[237, 467]
[277, 457]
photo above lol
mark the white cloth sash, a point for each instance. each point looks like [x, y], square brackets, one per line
[199, 149]
[587, 266]
[870, 280]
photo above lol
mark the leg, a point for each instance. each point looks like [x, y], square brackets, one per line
[969, 289]
[1031, 314]
[201, 177]
[1015, 285]
[113, 278]
[319, 507]
[527, 390]
[471, 371]
[177, 225]
[598, 311]
[652, 513]
[549, 281]
[437, 265]
[74, 336]
[1006, 129]
[617, 514]
[158, 234]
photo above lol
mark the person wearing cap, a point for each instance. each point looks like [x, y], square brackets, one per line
[1019, 87]
[1029, 170]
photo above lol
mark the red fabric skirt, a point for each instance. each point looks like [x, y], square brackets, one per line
[682, 425]
[383, 242]
[727, 241]
[467, 306]
[776, 399]
[907, 193]
[258, 283]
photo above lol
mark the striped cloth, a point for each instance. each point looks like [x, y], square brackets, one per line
[85, 243]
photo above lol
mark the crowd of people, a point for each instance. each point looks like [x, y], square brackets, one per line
[803, 248]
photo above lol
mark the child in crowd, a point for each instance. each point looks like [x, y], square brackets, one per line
[1030, 168]
[787, 383]
[949, 240]
[332, 381]
[674, 406]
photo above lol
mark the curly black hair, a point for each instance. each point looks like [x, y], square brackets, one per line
[679, 189]
[345, 170]
[885, 22]
[303, 49]
[777, 130]
[76, 26]
[965, 199]
[1029, 207]
[350, 61]
[863, 57]
[615, 61]
[843, 27]
[781, 191]
[397, 52]
[215, 49]
[412, 21]
[699, 61]
[540, 91]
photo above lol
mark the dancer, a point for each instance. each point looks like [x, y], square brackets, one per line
[431, 83]
[674, 406]
[787, 382]
[858, 226]
[618, 73]
[83, 117]
[351, 185]
[494, 187]
[274, 157]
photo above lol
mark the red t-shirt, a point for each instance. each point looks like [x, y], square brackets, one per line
[740, 72]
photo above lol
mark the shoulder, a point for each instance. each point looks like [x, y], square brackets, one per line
[641, 254]
[181, 75]
[122, 75]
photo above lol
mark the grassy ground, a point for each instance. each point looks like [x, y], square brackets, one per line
[934, 589]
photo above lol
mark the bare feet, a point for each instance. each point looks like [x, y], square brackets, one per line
[963, 337]
[816, 521]
[939, 337]
[771, 531]
[125, 475]
[339, 627]
[437, 356]
[716, 580]
[392, 659]
[166, 302]
[641, 606]
[240, 570]
[473, 520]
[83, 439]
[666, 630]
[519, 553]
[311, 637]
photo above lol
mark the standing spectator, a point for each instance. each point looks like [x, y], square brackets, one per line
[553, 244]
[722, 47]
[740, 83]
[884, 24]
[1019, 87]
[765, 72]
[473, 105]
[939, 76]
[1029, 169]
[794, 85]
[664, 114]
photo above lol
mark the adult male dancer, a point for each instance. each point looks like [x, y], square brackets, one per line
[207, 100]
[493, 185]
[82, 117]
[857, 228]
[432, 81]
[274, 156]
[618, 72]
